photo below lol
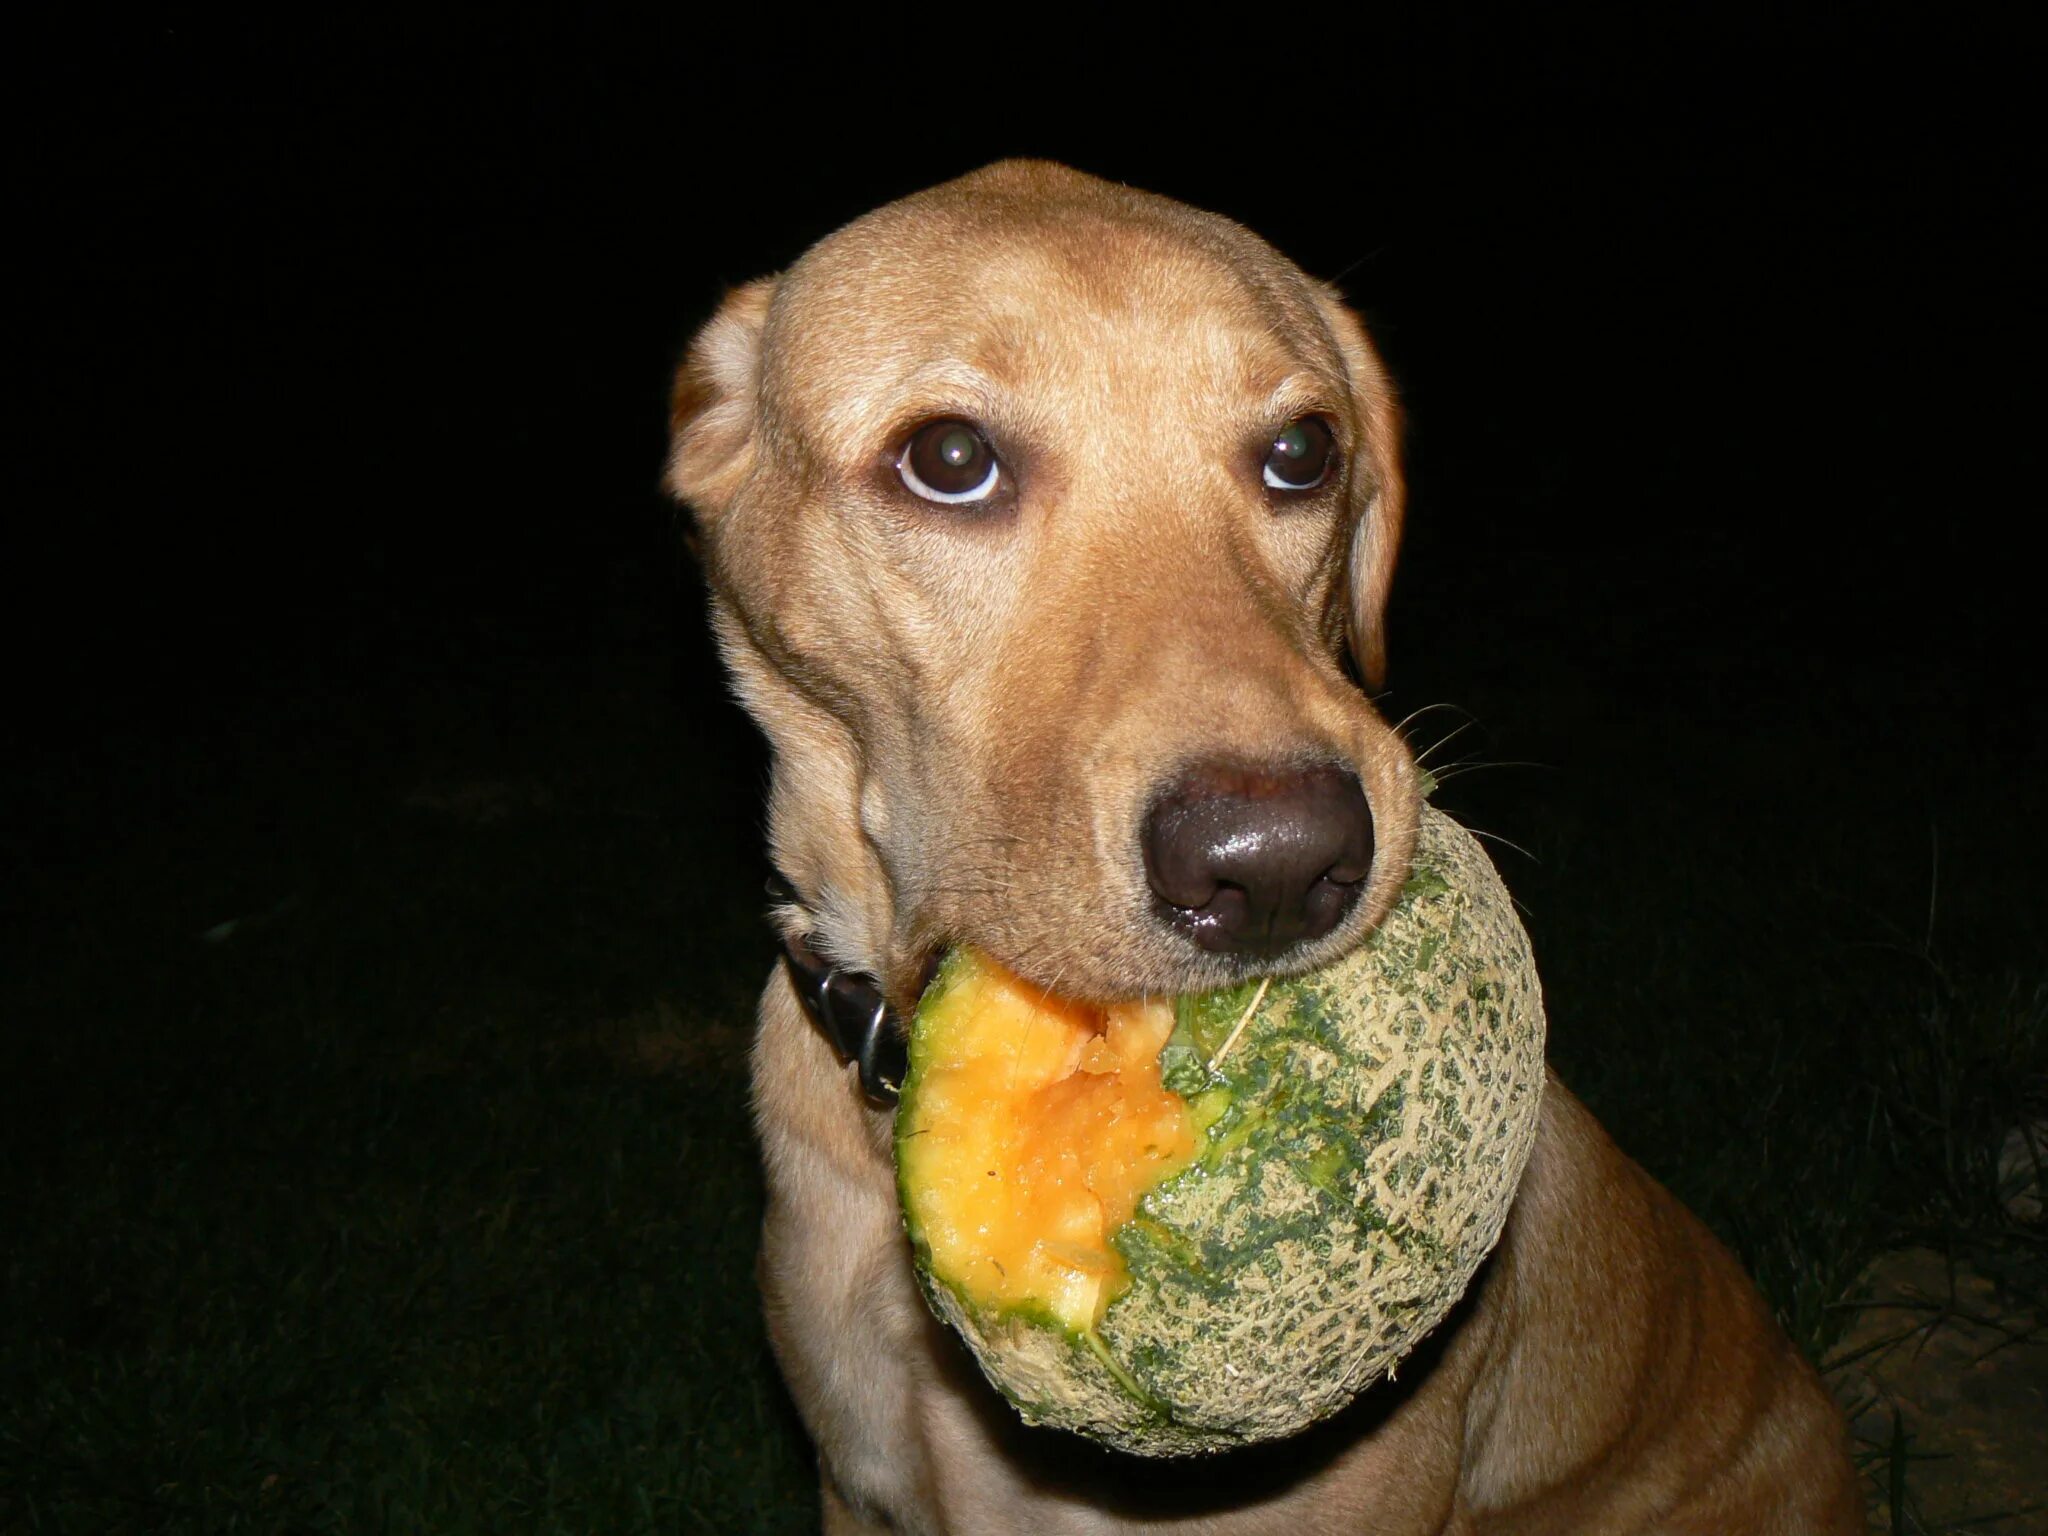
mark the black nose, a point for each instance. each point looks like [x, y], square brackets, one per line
[1252, 861]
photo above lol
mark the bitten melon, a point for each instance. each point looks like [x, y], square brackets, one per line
[1178, 1227]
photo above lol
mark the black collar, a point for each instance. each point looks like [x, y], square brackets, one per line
[848, 1010]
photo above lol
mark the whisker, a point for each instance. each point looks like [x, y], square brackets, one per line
[1417, 714]
[1495, 837]
[1017, 1056]
[1458, 770]
[1351, 267]
[1422, 760]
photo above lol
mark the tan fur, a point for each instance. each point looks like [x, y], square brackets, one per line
[969, 715]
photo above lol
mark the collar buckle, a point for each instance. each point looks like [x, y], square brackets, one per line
[847, 1008]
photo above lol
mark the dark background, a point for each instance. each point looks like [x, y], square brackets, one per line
[381, 850]
[355, 346]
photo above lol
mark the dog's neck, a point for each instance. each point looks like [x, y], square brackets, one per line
[846, 1007]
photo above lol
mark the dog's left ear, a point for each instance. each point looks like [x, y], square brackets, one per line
[712, 408]
[1379, 494]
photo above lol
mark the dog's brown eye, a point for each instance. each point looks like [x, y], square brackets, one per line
[1301, 456]
[950, 461]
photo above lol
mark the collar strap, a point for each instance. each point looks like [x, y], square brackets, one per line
[846, 1007]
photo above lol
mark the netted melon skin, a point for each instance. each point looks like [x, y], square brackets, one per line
[1379, 1115]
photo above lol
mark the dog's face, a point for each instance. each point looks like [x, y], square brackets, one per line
[1039, 514]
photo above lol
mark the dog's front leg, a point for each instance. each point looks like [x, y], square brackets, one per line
[840, 1518]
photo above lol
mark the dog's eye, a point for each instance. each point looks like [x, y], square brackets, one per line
[1301, 456]
[950, 461]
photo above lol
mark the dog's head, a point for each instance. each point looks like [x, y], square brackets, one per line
[1040, 515]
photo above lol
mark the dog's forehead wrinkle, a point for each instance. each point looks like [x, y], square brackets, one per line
[1092, 301]
[1095, 375]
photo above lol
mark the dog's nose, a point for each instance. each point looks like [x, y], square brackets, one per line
[1252, 861]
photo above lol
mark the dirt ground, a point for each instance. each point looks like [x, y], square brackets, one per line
[1948, 1361]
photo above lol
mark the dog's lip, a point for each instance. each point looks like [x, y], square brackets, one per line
[1196, 972]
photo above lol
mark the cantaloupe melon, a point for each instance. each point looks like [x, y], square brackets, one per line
[1181, 1226]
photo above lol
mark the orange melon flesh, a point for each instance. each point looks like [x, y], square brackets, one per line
[1041, 1123]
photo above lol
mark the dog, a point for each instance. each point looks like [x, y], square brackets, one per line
[1049, 526]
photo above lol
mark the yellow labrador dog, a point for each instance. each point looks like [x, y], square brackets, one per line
[1044, 519]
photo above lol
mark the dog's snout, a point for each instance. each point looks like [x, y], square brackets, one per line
[1254, 861]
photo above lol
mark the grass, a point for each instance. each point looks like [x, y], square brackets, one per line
[424, 1198]
[425, 1202]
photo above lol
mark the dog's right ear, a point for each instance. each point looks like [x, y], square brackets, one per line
[712, 408]
[1376, 529]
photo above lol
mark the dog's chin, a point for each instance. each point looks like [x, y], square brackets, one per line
[1192, 968]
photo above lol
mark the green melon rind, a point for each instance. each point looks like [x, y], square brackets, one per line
[1331, 1218]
